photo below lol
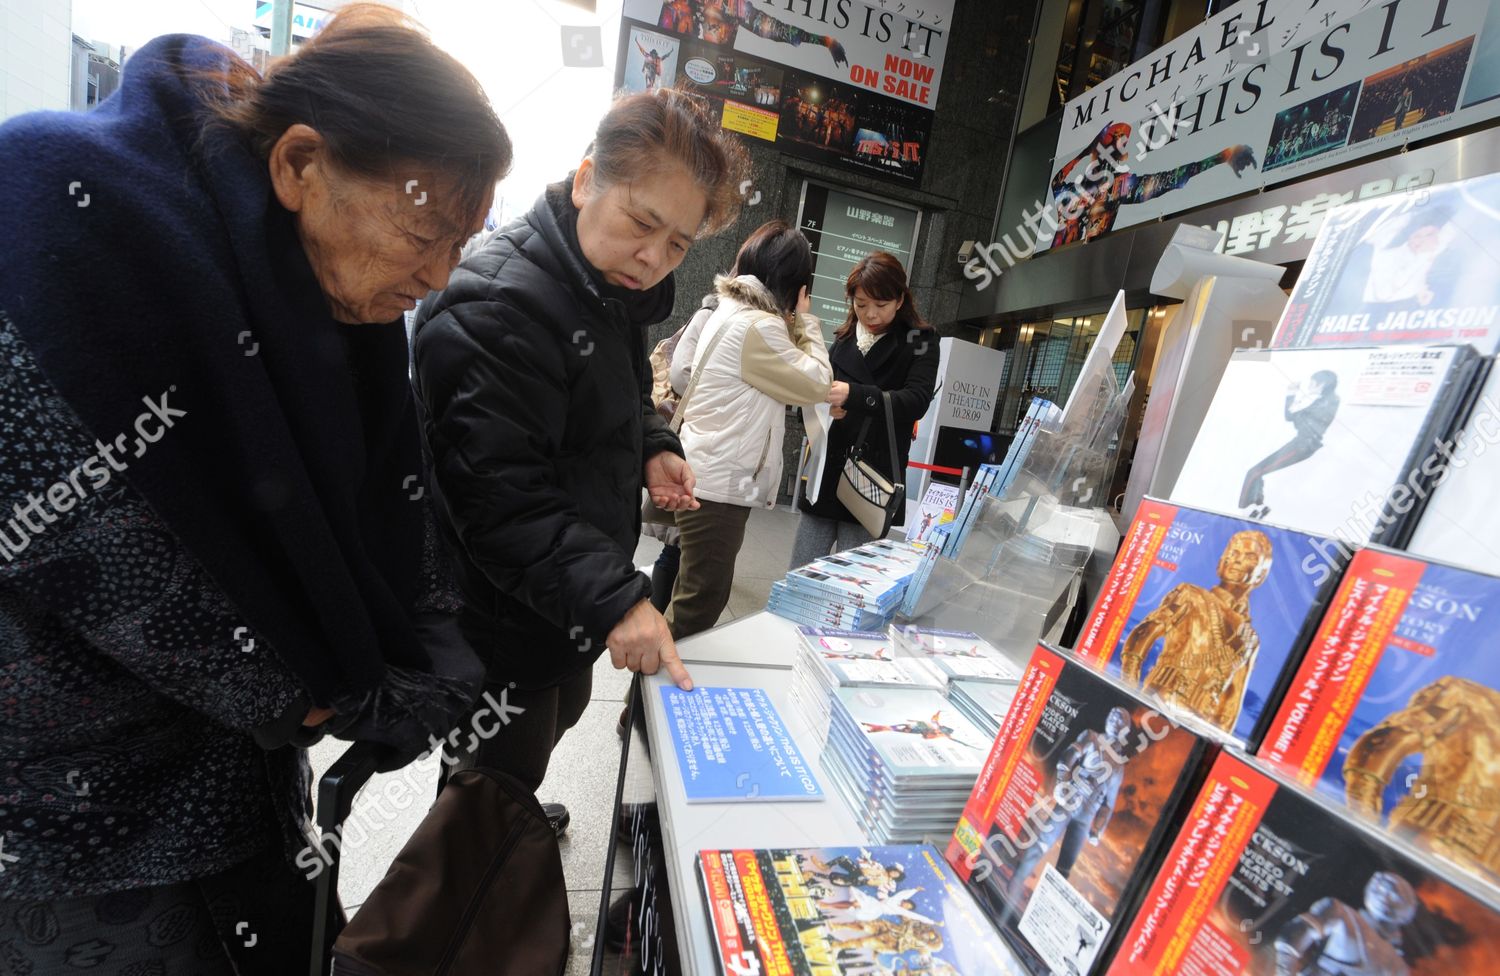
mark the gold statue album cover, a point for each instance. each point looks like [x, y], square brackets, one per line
[1209, 613]
[1395, 711]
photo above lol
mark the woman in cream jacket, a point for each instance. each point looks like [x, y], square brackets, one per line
[738, 369]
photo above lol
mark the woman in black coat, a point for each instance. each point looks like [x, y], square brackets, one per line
[531, 371]
[228, 549]
[883, 346]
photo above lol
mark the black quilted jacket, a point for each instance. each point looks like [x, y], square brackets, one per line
[535, 398]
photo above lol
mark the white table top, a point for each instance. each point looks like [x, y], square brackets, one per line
[718, 658]
[770, 642]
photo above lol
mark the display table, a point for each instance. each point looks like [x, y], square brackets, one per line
[687, 828]
[720, 658]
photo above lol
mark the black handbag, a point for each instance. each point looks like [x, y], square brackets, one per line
[873, 499]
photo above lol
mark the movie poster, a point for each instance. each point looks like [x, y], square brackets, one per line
[1395, 711]
[1208, 613]
[846, 911]
[1416, 267]
[1071, 809]
[1264, 880]
[845, 83]
[650, 61]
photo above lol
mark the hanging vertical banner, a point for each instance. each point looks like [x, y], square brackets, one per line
[1261, 93]
[849, 83]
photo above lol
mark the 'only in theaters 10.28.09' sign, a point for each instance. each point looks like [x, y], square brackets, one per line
[844, 82]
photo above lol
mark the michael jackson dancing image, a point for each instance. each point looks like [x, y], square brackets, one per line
[651, 65]
[718, 21]
[1090, 189]
[1310, 407]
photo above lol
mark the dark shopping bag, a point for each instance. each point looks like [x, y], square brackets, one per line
[478, 889]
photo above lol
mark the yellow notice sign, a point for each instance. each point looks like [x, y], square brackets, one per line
[755, 122]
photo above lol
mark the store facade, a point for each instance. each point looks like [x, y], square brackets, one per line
[1041, 297]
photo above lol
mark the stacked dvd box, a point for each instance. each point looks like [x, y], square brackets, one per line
[830, 659]
[858, 589]
[903, 759]
[955, 655]
[983, 702]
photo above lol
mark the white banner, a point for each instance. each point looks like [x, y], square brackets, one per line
[1265, 92]
[863, 42]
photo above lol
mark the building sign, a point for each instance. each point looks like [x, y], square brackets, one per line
[843, 228]
[1263, 93]
[850, 83]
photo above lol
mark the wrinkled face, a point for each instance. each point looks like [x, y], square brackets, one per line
[375, 247]
[1246, 560]
[875, 314]
[637, 233]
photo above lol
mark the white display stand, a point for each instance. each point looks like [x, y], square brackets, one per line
[1229, 303]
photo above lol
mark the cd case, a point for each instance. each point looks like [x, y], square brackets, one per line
[1395, 711]
[1071, 811]
[846, 911]
[1328, 441]
[1265, 879]
[1210, 613]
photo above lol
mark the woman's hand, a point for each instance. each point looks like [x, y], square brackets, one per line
[671, 482]
[838, 394]
[642, 642]
[317, 716]
[837, 413]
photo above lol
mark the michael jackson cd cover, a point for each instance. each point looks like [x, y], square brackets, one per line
[1209, 613]
[1412, 267]
[1071, 810]
[847, 911]
[1332, 442]
[1395, 711]
[1264, 879]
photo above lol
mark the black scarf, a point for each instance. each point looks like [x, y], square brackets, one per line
[295, 475]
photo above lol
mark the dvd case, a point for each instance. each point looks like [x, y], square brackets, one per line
[1265, 879]
[1328, 441]
[954, 654]
[1395, 711]
[1414, 267]
[1210, 613]
[846, 911]
[1073, 806]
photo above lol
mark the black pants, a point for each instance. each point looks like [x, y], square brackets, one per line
[664, 576]
[515, 730]
[254, 919]
[1296, 450]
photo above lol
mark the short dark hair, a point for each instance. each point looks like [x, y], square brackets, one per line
[640, 131]
[780, 257]
[383, 97]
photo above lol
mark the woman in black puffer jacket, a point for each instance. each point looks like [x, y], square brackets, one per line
[535, 391]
